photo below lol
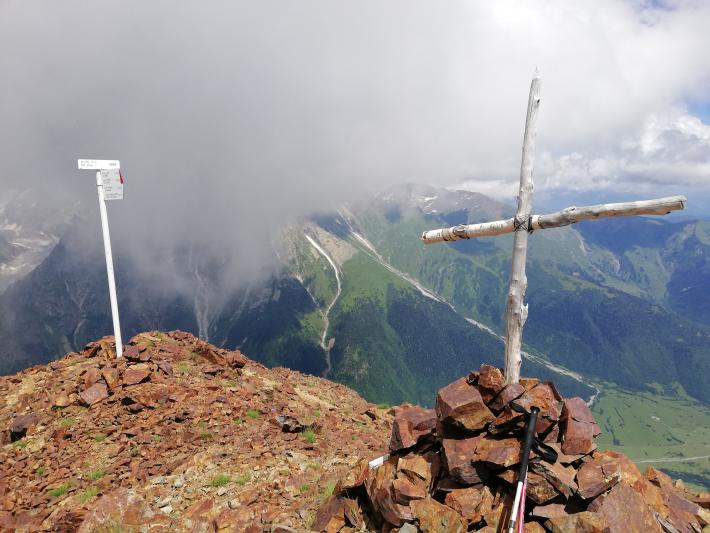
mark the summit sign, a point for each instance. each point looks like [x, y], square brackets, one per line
[98, 164]
[112, 184]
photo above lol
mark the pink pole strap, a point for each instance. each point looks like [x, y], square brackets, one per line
[521, 515]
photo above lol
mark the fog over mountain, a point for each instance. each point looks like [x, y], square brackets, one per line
[232, 119]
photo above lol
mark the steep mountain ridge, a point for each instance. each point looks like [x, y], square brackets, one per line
[361, 300]
[383, 326]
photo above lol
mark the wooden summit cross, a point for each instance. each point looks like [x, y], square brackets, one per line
[524, 222]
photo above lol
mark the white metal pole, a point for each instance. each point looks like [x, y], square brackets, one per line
[109, 267]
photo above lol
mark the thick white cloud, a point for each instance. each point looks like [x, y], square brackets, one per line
[670, 149]
[233, 116]
[616, 77]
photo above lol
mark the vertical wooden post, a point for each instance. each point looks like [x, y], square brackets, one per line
[517, 311]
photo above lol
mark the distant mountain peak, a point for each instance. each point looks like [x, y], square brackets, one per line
[440, 201]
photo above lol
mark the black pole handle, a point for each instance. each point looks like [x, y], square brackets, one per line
[527, 443]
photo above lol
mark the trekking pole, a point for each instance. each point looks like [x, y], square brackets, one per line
[523, 472]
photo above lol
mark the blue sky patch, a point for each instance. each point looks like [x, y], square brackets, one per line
[700, 110]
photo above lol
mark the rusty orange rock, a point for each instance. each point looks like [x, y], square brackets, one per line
[658, 478]
[91, 376]
[379, 490]
[94, 394]
[458, 456]
[498, 452]
[434, 517]
[411, 423]
[598, 475]
[135, 374]
[331, 515]
[132, 353]
[533, 527]
[561, 477]
[506, 395]
[624, 511]
[490, 382]
[122, 506]
[461, 405]
[467, 501]
[579, 427]
[539, 489]
[20, 426]
[584, 522]
[550, 510]
[110, 376]
[405, 489]
[354, 477]
[414, 465]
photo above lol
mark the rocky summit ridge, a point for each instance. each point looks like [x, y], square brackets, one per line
[179, 435]
[175, 436]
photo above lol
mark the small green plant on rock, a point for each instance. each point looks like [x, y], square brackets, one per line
[61, 490]
[244, 479]
[111, 526]
[88, 494]
[40, 470]
[327, 490]
[253, 413]
[309, 436]
[183, 368]
[221, 480]
[67, 422]
[95, 475]
[99, 438]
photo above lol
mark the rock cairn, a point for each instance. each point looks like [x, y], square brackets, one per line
[453, 469]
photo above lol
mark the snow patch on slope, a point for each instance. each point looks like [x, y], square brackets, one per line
[325, 313]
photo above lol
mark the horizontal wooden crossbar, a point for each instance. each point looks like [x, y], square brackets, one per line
[570, 215]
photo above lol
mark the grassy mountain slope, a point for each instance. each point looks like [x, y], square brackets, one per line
[613, 304]
[390, 341]
[282, 327]
[602, 309]
[669, 262]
